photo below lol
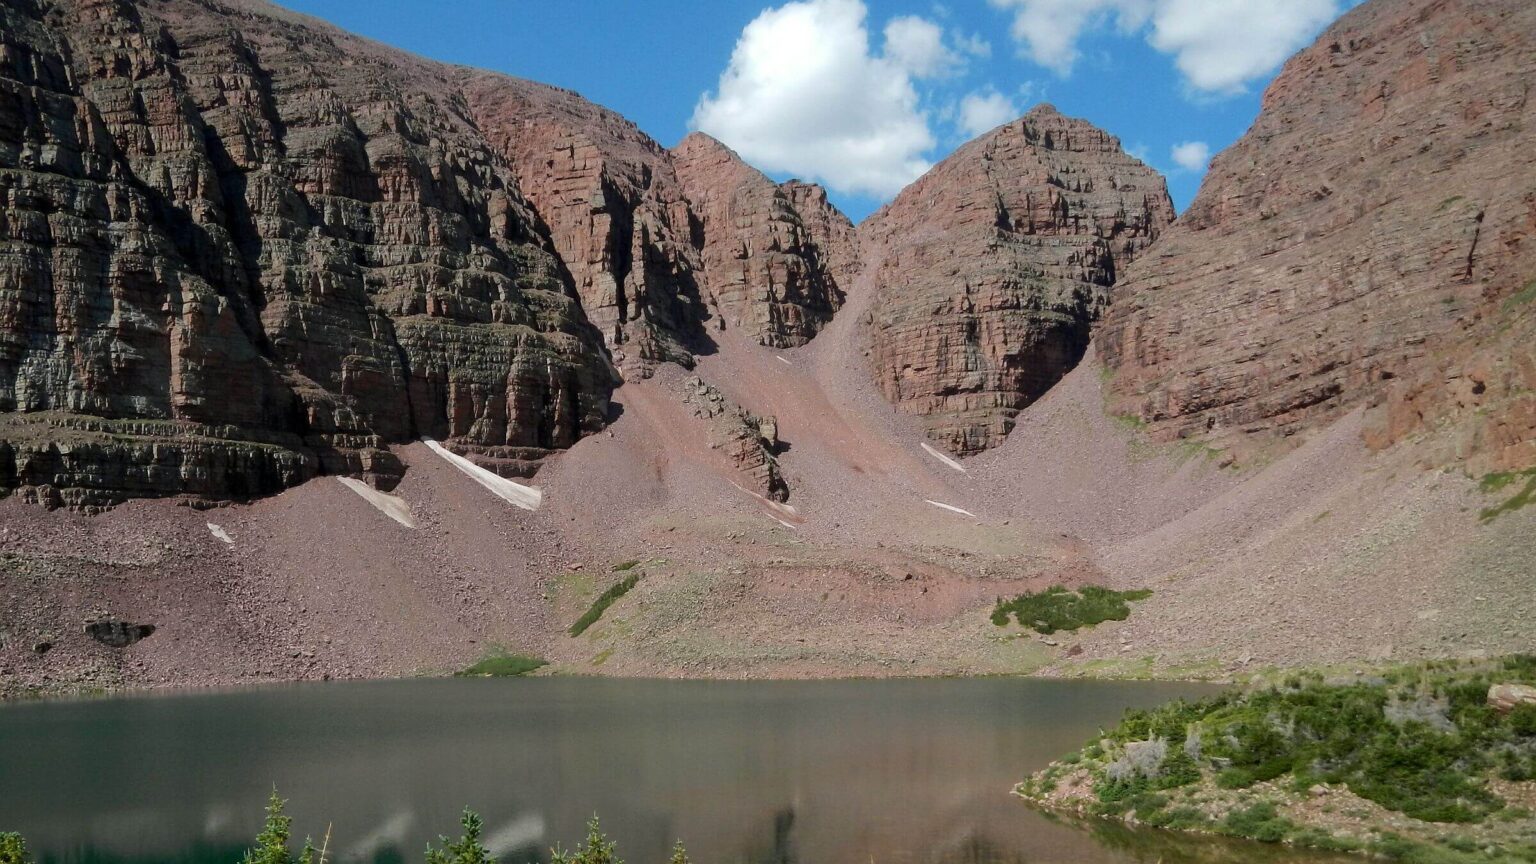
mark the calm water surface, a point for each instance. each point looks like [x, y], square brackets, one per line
[835, 772]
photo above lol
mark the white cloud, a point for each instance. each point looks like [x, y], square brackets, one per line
[803, 94]
[1218, 45]
[983, 111]
[973, 44]
[1192, 155]
[1219, 51]
[917, 45]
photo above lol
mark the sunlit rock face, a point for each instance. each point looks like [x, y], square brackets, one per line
[1371, 240]
[993, 267]
[242, 248]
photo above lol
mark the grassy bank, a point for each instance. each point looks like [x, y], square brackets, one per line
[1412, 764]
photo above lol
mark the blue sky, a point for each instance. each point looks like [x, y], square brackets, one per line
[861, 95]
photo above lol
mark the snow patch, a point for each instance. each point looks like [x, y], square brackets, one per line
[943, 457]
[951, 508]
[526, 497]
[390, 505]
[221, 534]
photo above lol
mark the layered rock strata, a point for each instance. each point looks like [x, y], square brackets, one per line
[994, 266]
[773, 253]
[241, 248]
[615, 211]
[1372, 239]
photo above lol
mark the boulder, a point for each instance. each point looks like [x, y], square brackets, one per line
[1505, 698]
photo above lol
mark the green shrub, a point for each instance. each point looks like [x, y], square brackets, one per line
[1056, 608]
[603, 601]
[498, 665]
[13, 849]
[1420, 740]
[1261, 822]
[467, 849]
[1179, 769]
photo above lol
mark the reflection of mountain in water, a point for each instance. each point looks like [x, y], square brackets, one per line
[976, 849]
[781, 846]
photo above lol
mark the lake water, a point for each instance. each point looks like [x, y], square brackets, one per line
[822, 772]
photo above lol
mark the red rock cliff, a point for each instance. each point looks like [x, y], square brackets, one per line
[994, 266]
[242, 247]
[1368, 239]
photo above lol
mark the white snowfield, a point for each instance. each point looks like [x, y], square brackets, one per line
[390, 505]
[221, 534]
[952, 508]
[526, 497]
[943, 457]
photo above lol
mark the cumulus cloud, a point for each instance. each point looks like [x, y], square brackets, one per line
[917, 45]
[1218, 46]
[1192, 155]
[1219, 51]
[983, 111]
[804, 94]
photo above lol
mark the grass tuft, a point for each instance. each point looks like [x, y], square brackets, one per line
[601, 604]
[500, 665]
[1498, 482]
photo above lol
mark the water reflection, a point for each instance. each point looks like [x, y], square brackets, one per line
[896, 772]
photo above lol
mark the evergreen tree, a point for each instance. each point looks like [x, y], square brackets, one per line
[465, 850]
[272, 843]
[679, 854]
[597, 850]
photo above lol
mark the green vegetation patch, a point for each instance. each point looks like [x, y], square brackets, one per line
[1418, 740]
[1522, 297]
[1421, 740]
[1057, 608]
[1501, 480]
[603, 601]
[13, 849]
[501, 665]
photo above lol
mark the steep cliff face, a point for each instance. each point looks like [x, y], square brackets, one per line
[994, 266]
[241, 248]
[615, 211]
[773, 254]
[1370, 237]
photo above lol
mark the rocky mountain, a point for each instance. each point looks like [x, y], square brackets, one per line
[1371, 238]
[240, 249]
[772, 269]
[245, 248]
[994, 266]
